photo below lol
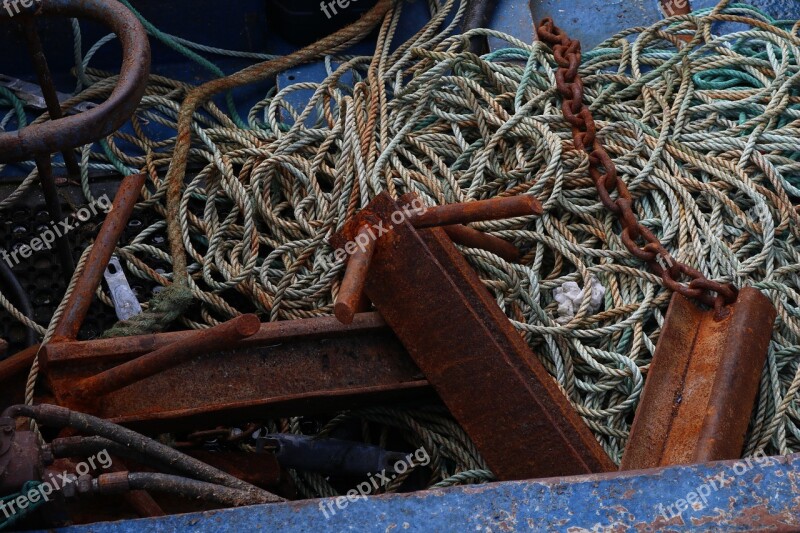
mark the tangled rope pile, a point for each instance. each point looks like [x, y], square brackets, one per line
[702, 126]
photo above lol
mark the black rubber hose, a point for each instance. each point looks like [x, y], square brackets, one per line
[23, 302]
[122, 482]
[479, 14]
[87, 446]
[56, 416]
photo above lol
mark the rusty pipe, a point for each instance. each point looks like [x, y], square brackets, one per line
[31, 35]
[67, 132]
[115, 222]
[494, 209]
[349, 298]
[472, 238]
[216, 338]
[51, 199]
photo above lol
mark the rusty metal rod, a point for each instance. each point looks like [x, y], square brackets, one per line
[494, 209]
[472, 238]
[11, 366]
[53, 203]
[350, 295]
[270, 333]
[110, 233]
[216, 338]
[31, 35]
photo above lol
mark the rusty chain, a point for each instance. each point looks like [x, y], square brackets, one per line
[567, 53]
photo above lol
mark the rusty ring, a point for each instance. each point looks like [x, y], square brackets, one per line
[66, 133]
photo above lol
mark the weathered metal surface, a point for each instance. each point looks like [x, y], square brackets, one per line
[259, 469]
[702, 383]
[270, 333]
[472, 238]
[140, 500]
[68, 132]
[349, 300]
[20, 460]
[47, 86]
[18, 362]
[294, 367]
[478, 363]
[494, 209]
[763, 495]
[82, 295]
[208, 340]
[53, 202]
[592, 21]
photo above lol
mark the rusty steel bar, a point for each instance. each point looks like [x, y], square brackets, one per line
[31, 36]
[472, 238]
[481, 366]
[702, 383]
[270, 333]
[204, 341]
[494, 209]
[18, 362]
[53, 203]
[348, 301]
[68, 132]
[110, 233]
[296, 367]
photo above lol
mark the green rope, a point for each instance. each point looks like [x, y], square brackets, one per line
[19, 109]
[21, 513]
[182, 49]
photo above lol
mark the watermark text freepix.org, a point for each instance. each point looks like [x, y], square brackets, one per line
[13, 6]
[55, 483]
[329, 8]
[374, 482]
[47, 237]
[375, 231]
[674, 6]
[697, 500]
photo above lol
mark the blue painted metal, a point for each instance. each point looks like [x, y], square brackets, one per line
[777, 9]
[727, 496]
[593, 21]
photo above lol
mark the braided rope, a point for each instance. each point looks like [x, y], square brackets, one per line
[703, 133]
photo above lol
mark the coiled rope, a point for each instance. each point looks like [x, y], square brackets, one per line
[703, 133]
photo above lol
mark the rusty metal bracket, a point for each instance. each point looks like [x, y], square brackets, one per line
[480, 366]
[702, 383]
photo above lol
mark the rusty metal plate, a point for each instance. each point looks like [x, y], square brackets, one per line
[702, 383]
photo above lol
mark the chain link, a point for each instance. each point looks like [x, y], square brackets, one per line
[567, 53]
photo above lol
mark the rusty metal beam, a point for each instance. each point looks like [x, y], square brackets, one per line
[702, 383]
[216, 338]
[480, 366]
[287, 368]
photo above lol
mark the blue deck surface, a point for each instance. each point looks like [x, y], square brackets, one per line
[727, 496]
